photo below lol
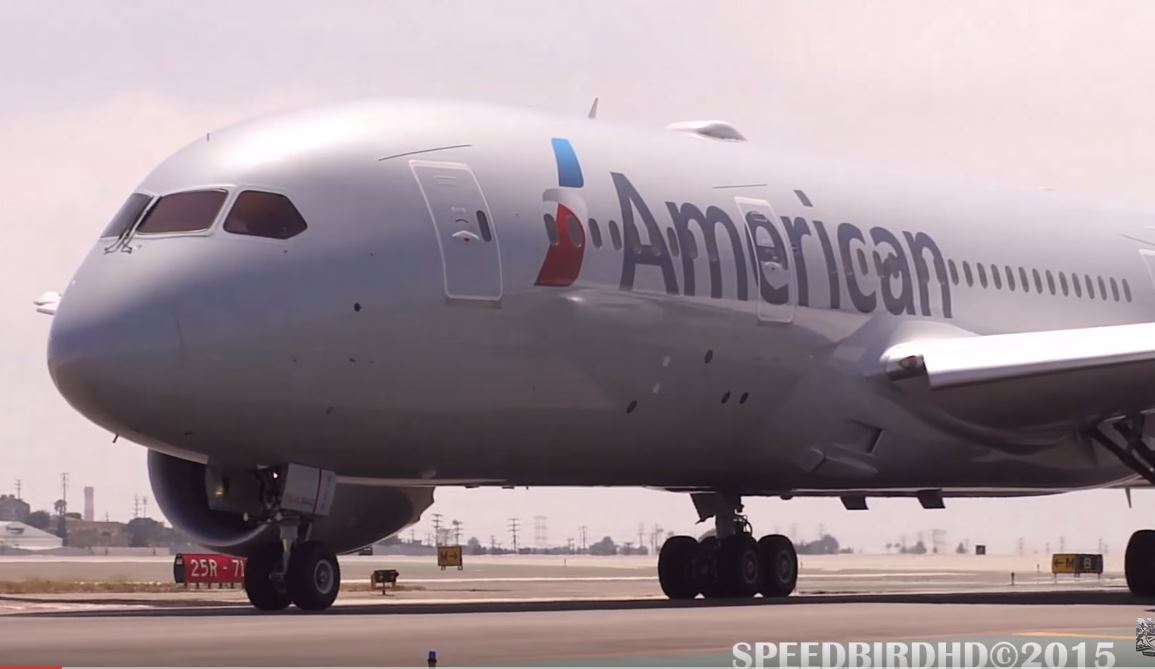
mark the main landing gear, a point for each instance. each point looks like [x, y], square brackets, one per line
[1139, 560]
[731, 564]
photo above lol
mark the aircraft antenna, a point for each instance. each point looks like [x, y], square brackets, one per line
[594, 110]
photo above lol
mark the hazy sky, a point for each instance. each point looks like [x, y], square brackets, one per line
[92, 95]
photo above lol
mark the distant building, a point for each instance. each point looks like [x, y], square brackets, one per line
[89, 503]
[14, 535]
[96, 533]
[12, 508]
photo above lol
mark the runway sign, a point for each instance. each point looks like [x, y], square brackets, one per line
[210, 568]
[449, 556]
[1076, 563]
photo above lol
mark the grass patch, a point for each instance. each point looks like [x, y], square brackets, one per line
[42, 586]
[46, 586]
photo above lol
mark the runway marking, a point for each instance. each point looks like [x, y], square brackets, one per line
[528, 579]
[1079, 635]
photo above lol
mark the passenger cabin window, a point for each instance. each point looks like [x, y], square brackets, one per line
[615, 236]
[595, 234]
[128, 215]
[673, 241]
[551, 229]
[190, 211]
[261, 214]
[574, 229]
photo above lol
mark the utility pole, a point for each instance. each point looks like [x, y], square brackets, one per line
[456, 532]
[62, 528]
[437, 529]
[144, 504]
[540, 532]
[655, 536]
[514, 524]
[582, 532]
[492, 545]
[19, 488]
[641, 534]
[136, 506]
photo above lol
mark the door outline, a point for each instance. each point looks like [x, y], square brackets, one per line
[452, 272]
[1148, 260]
[769, 313]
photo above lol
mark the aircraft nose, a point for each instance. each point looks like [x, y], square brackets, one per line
[115, 357]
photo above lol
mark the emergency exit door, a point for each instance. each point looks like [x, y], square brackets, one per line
[774, 271]
[465, 232]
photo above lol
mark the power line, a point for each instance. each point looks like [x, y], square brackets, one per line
[540, 532]
[514, 526]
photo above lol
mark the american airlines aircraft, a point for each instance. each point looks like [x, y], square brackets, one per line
[313, 319]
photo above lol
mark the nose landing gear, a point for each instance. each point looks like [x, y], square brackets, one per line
[731, 564]
[295, 570]
[310, 578]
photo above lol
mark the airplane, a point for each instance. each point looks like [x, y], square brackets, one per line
[313, 319]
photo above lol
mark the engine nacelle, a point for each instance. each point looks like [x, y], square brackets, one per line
[359, 516]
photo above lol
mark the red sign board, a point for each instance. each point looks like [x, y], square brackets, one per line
[208, 568]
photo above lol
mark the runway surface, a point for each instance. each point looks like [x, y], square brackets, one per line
[609, 613]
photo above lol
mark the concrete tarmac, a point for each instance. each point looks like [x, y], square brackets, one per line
[619, 633]
[584, 619]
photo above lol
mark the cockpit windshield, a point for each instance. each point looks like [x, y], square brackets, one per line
[190, 211]
[128, 215]
[261, 214]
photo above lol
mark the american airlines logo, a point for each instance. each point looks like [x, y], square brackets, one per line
[875, 268]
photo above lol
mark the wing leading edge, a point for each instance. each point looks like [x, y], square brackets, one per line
[1069, 377]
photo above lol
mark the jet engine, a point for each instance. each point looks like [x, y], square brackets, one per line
[225, 510]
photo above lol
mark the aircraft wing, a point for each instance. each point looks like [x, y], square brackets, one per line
[1056, 377]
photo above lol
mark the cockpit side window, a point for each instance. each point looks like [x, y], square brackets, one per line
[263, 214]
[190, 211]
[128, 215]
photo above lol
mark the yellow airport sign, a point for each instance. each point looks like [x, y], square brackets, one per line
[449, 556]
[1076, 563]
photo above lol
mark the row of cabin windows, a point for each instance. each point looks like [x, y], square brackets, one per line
[254, 213]
[574, 233]
[1040, 281]
[985, 275]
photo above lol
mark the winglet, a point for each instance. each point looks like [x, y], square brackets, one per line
[594, 109]
[47, 303]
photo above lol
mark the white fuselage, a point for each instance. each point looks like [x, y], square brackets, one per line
[714, 320]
